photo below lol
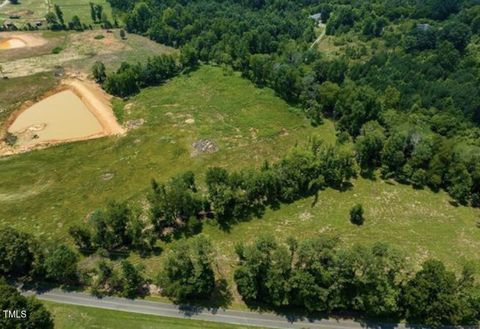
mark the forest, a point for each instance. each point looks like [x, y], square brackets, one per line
[411, 107]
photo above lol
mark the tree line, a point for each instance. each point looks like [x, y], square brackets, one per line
[23, 258]
[420, 90]
[56, 21]
[128, 79]
[316, 275]
[177, 207]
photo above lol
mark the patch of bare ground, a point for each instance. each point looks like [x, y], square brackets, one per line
[34, 45]
[80, 46]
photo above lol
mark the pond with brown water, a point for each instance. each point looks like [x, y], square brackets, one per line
[61, 117]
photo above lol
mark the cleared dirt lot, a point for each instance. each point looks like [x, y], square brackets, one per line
[76, 51]
[20, 40]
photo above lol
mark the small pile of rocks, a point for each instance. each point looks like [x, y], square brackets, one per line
[204, 146]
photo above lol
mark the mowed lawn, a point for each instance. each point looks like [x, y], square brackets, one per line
[45, 191]
[79, 317]
[33, 10]
[81, 8]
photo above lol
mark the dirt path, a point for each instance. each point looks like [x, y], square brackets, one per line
[324, 30]
[4, 3]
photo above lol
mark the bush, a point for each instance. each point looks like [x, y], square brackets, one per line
[188, 270]
[57, 50]
[61, 265]
[356, 215]
[99, 37]
[10, 299]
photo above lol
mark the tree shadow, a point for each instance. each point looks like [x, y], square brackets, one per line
[221, 298]
[369, 174]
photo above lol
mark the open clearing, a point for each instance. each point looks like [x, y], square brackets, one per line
[20, 40]
[75, 51]
[247, 125]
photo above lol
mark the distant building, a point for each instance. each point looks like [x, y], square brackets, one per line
[424, 27]
[316, 17]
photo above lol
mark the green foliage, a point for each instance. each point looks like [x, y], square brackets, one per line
[57, 50]
[318, 277]
[369, 146]
[457, 33]
[61, 265]
[356, 215]
[75, 24]
[435, 297]
[433, 60]
[188, 270]
[116, 227]
[239, 195]
[96, 12]
[174, 204]
[17, 253]
[132, 280]
[82, 237]
[99, 72]
[37, 315]
[128, 79]
[59, 14]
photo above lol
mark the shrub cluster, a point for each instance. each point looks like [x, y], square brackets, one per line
[316, 276]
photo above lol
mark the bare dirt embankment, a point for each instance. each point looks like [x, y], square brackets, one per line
[93, 98]
[13, 40]
[98, 102]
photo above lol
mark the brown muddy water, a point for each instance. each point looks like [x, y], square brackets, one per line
[62, 116]
[12, 43]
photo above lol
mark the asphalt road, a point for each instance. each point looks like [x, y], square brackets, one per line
[213, 315]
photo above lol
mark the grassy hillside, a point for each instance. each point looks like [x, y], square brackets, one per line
[45, 191]
[78, 317]
[420, 223]
[16, 91]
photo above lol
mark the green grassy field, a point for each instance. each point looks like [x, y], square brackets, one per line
[34, 10]
[46, 191]
[16, 91]
[420, 223]
[81, 8]
[29, 10]
[78, 317]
